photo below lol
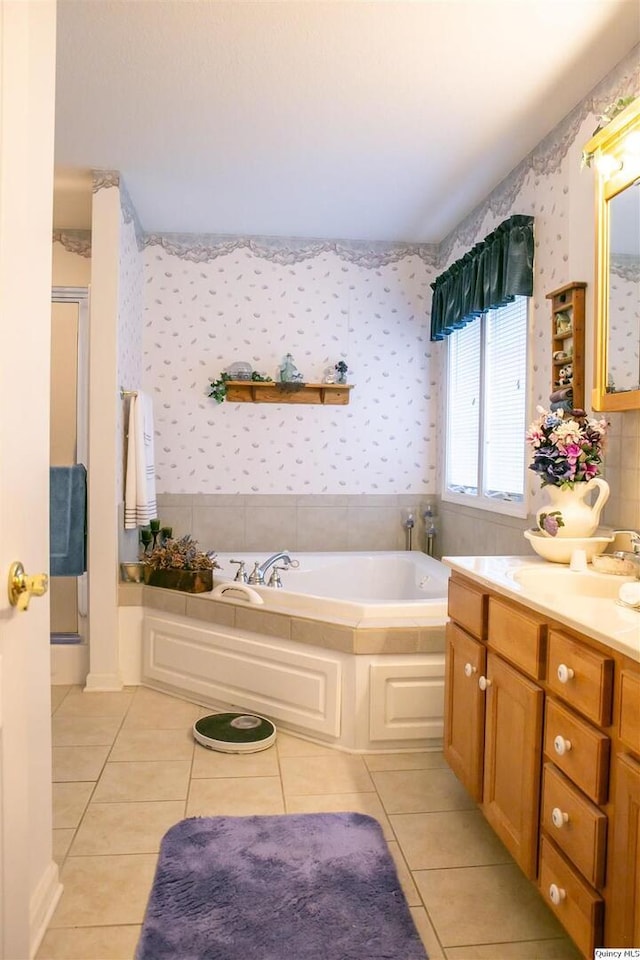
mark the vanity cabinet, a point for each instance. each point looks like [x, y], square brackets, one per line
[542, 726]
[623, 920]
[493, 716]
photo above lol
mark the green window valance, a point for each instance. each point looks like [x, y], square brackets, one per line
[491, 274]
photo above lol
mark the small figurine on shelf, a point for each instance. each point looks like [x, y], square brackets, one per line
[341, 371]
[288, 371]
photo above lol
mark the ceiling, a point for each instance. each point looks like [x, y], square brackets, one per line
[352, 120]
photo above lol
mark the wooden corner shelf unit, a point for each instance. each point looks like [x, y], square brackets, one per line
[567, 339]
[256, 391]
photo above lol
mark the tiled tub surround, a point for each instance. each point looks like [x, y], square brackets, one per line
[226, 522]
[359, 688]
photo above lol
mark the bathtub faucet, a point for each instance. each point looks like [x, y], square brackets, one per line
[257, 575]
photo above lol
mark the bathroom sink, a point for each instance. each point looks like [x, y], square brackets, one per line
[550, 581]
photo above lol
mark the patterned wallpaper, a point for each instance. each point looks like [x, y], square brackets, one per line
[203, 312]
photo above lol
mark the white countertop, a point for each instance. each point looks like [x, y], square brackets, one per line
[598, 617]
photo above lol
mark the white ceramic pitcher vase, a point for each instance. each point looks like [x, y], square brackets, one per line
[568, 515]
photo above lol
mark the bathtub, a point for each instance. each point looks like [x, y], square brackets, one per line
[350, 652]
[351, 586]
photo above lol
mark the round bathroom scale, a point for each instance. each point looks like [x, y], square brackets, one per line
[234, 732]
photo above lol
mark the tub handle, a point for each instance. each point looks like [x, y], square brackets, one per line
[246, 592]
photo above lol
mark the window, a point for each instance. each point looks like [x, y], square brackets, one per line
[486, 410]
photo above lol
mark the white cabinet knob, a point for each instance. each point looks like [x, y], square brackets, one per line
[469, 670]
[561, 746]
[484, 682]
[556, 894]
[559, 817]
[565, 673]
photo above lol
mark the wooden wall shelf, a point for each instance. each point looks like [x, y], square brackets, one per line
[567, 303]
[254, 391]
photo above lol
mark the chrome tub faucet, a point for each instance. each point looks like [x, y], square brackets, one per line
[259, 571]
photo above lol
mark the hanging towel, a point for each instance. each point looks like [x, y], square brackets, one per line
[68, 520]
[140, 484]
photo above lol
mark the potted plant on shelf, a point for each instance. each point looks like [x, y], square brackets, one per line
[178, 564]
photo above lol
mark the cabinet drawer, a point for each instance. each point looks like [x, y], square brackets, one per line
[578, 908]
[519, 637]
[580, 676]
[578, 749]
[577, 826]
[468, 607]
[629, 725]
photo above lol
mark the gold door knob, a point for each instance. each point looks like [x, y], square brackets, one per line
[22, 587]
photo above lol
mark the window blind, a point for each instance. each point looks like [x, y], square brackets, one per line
[505, 400]
[486, 406]
[463, 410]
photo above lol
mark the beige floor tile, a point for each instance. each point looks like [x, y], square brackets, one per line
[104, 890]
[529, 950]
[405, 761]
[109, 828]
[69, 802]
[367, 803]
[153, 745]
[404, 876]
[90, 943]
[460, 838]
[427, 934]
[509, 907]
[209, 763]
[61, 843]
[339, 773]
[149, 780]
[84, 731]
[58, 693]
[152, 710]
[421, 791]
[80, 704]
[290, 746]
[78, 763]
[235, 797]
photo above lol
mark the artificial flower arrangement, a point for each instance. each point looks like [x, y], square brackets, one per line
[566, 449]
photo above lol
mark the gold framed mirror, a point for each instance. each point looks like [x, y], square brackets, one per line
[615, 153]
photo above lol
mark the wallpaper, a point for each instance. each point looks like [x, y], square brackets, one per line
[201, 316]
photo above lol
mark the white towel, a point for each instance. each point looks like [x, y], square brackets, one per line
[140, 485]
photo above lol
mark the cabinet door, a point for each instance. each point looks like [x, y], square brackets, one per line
[464, 709]
[623, 912]
[512, 760]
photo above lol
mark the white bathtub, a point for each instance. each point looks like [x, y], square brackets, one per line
[354, 586]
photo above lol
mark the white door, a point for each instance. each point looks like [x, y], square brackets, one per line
[28, 879]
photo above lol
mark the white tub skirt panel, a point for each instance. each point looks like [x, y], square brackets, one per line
[356, 702]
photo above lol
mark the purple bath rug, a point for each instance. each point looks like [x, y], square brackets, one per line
[317, 886]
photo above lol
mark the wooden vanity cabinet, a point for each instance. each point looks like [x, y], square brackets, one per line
[512, 760]
[542, 726]
[493, 717]
[623, 918]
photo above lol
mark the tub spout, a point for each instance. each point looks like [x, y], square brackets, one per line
[257, 575]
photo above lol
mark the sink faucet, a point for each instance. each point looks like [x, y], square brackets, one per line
[257, 575]
[633, 554]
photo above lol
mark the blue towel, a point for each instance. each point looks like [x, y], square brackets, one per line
[68, 521]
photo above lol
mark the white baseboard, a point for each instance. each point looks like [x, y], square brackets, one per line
[44, 901]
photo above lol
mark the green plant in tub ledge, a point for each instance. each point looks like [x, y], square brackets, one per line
[179, 565]
[181, 553]
[218, 388]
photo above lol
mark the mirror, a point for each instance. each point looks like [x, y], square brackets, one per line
[615, 151]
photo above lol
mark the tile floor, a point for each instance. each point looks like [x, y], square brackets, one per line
[125, 768]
